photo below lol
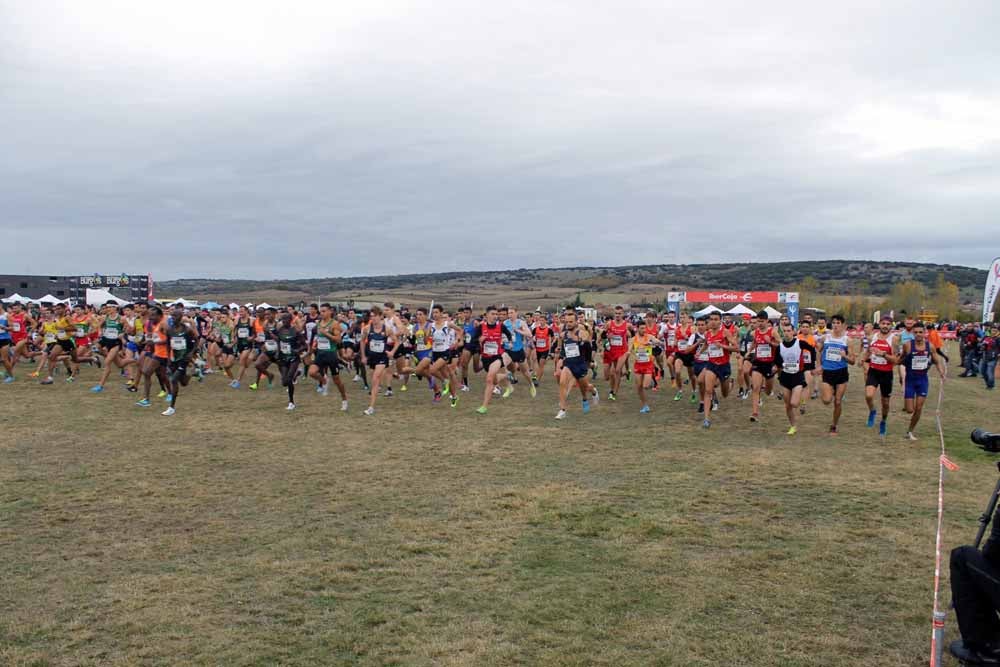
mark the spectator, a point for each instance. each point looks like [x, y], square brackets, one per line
[969, 347]
[989, 350]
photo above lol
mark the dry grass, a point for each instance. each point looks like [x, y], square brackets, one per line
[238, 534]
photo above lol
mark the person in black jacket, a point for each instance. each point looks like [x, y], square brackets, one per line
[975, 591]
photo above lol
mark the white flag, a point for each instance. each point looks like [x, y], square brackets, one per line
[992, 287]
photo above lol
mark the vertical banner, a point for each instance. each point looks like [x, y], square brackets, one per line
[674, 300]
[149, 293]
[992, 287]
[792, 303]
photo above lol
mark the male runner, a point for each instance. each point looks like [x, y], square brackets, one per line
[918, 354]
[835, 353]
[881, 356]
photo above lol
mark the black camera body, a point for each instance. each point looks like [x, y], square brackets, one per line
[989, 442]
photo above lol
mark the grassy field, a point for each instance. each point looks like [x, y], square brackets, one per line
[238, 534]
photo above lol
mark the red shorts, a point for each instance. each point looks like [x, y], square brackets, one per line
[613, 354]
[643, 369]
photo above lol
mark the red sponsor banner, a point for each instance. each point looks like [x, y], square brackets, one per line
[945, 335]
[733, 297]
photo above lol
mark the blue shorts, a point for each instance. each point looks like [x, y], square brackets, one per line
[422, 354]
[916, 385]
[698, 367]
[722, 371]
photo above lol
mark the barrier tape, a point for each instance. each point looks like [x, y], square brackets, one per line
[938, 616]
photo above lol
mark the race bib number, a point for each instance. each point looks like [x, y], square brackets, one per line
[878, 359]
[243, 332]
[714, 351]
[671, 340]
[806, 356]
[110, 334]
[50, 338]
[642, 356]
[440, 346]
[377, 346]
[790, 367]
[15, 327]
[540, 344]
[468, 338]
[572, 350]
[271, 345]
[61, 335]
[834, 354]
[422, 345]
[920, 363]
[225, 339]
[261, 337]
[763, 351]
[323, 343]
[132, 339]
[80, 334]
[178, 343]
[616, 341]
[157, 338]
[286, 347]
[490, 348]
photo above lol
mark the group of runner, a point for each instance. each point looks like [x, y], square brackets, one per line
[711, 355]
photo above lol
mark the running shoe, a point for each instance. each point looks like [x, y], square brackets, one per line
[508, 391]
[644, 410]
[871, 418]
[611, 395]
[169, 412]
[47, 380]
[481, 409]
[291, 406]
[369, 411]
[143, 403]
[910, 436]
[694, 399]
[706, 424]
[8, 379]
[882, 427]
[496, 390]
[833, 430]
[253, 387]
[388, 393]
[792, 430]
[754, 417]
[533, 391]
[96, 389]
[161, 394]
[586, 407]
[715, 404]
[679, 395]
[465, 387]
[343, 406]
[169, 398]
[561, 414]
[454, 401]
[437, 397]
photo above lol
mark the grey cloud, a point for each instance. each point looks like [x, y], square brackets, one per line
[545, 134]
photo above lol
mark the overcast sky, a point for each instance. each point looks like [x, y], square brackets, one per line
[239, 139]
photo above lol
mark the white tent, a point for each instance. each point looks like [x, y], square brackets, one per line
[740, 309]
[17, 298]
[234, 306]
[706, 311]
[184, 302]
[48, 298]
[99, 297]
[772, 313]
[264, 305]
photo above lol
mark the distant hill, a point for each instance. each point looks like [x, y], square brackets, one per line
[831, 277]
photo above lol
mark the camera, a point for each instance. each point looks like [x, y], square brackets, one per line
[989, 442]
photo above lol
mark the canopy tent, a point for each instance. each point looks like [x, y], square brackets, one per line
[17, 298]
[234, 306]
[184, 302]
[210, 305]
[48, 298]
[99, 297]
[740, 310]
[265, 305]
[706, 311]
[772, 313]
